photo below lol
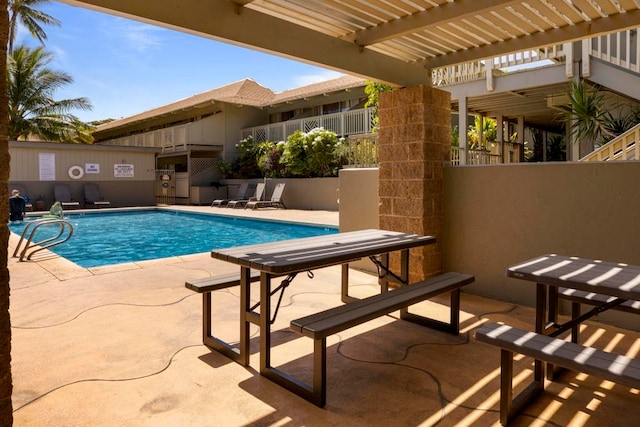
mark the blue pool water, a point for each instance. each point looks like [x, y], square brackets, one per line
[117, 237]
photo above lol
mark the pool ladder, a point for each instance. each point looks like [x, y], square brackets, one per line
[31, 247]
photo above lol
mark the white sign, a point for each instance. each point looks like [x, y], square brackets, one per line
[47, 166]
[92, 167]
[122, 171]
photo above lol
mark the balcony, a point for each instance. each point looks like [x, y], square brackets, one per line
[354, 122]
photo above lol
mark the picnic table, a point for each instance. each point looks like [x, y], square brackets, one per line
[605, 285]
[288, 258]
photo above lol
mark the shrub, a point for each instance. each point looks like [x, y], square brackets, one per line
[269, 158]
[312, 154]
[246, 165]
[317, 153]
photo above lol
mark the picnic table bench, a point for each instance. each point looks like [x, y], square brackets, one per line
[610, 366]
[606, 285]
[320, 325]
[205, 286]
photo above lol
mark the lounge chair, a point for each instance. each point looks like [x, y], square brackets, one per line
[275, 202]
[63, 195]
[257, 196]
[28, 206]
[92, 197]
[240, 194]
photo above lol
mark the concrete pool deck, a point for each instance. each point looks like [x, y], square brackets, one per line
[122, 346]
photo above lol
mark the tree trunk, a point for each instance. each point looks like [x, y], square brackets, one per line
[6, 409]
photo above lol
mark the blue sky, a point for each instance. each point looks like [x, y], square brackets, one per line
[126, 67]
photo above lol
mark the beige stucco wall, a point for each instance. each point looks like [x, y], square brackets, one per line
[496, 216]
[358, 199]
[299, 193]
[500, 215]
[358, 207]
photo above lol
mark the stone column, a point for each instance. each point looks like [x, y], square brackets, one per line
[414, 142]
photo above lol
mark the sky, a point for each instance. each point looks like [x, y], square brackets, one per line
[125, 67]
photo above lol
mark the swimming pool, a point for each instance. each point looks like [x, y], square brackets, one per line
[101, 239]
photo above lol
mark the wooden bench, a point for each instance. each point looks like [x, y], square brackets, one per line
[205, 286]
[319, 326]
[614, 367]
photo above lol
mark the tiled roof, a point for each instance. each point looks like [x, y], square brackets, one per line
[243, 92]
[334, 85]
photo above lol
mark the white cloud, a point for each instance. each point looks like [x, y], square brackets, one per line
[135, 36]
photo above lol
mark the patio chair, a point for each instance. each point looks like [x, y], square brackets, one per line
[92, 197]
[256, 197]
[62, 194]
[240, 194]
[28, 205]
[275, 202]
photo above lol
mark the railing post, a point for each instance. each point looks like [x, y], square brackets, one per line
[586, 56]
[568, 59]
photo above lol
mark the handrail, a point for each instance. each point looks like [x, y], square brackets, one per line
[45, 243]
[625, 146]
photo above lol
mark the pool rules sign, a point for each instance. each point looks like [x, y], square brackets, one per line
[122, 171]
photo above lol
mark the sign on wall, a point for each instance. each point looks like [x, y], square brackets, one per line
[47, 166]
[122, 171]
[92, 167]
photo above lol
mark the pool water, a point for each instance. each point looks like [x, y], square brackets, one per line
[101, 239]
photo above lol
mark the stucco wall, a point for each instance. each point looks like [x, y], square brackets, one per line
[299, 193]
[496, 216]
[358, 199]
[358, 208]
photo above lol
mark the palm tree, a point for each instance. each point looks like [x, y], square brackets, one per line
[24, 11]
[586, 113]
[6, 409]
[32, 110]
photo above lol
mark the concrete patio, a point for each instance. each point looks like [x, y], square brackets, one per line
[122, 346]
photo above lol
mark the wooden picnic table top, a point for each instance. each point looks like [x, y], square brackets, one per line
[601, 277]
[321, 251]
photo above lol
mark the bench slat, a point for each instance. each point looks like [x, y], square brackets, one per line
[328, 322]
[614, 367]
[595, 299]
[222, 281]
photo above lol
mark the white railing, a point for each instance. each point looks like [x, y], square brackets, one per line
[621, 49]
[623, 147]
[473, 157]
[353, 122]
[478, 70]
[173, 138]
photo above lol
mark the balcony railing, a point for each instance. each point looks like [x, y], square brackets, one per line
[355, 122]
[623, 147]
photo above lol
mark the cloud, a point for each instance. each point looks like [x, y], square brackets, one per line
[133, 35]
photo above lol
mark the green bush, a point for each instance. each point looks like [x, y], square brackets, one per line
[317, 153]
[246, 165]
[312, 154]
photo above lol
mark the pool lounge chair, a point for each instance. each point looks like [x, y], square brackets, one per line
[92, 197]
[275, 202]
[240, 194]
[28, 205]
[257, 196]
[62, 194]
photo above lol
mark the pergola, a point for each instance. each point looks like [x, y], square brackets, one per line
[392, 41]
